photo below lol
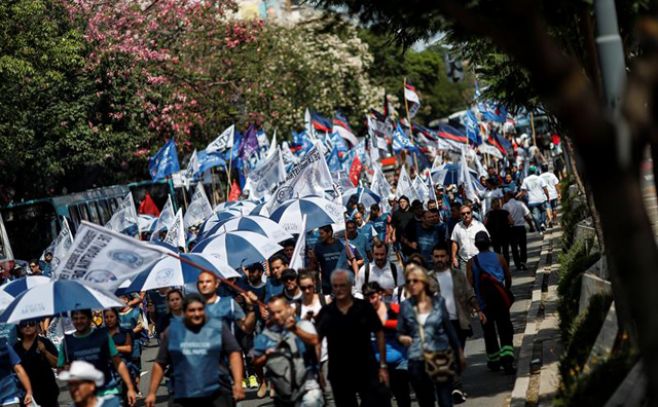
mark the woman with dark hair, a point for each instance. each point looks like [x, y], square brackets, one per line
[489, 275]
[424, 327]
[174, 299]
[396, 354]
[96, 346]
[122, 340]
[38, 357]
[195, 348]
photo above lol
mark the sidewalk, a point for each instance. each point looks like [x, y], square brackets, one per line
[537, 375]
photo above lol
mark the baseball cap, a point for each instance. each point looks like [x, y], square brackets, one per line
[82, 371]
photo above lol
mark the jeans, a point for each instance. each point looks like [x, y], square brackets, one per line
[538, 213]
[427, 391]
[519, 243]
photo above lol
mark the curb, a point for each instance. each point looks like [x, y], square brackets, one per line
[531, 387]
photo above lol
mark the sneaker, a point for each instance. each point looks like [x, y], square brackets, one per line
[493, 366]
[244, 383]
[253, 383]
[272, 392]
[542, 227]
[458, 396]
[262, 390]
[523, 267]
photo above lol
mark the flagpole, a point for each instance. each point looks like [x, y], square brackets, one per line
[411, 127]
[532, 127]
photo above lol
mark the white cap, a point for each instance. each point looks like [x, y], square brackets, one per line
[83, 371]
[392, 197]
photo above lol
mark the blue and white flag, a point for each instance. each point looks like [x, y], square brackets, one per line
[333, 161]
[266, 176]
[405, 186]
[310, 177]
[61, 245]
[472, 128]
[125, 220]
[104, 258]
[164, 162]
[199, 209]
[209, 160]
[223, 142]
[287, 155]
[193, 167]
[422, 192]
[176, 233]
[381, 187]
[401, 141]
[165, 221]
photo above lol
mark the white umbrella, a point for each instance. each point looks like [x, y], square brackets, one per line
[239, 247]
[57, 297]
[16, 287]
[258, 224]
[318, 211]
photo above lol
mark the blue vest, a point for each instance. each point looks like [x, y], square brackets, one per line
[380, 226]
[128, 322]
[195, 358]
[8, 380]
[159, 302]
[93, 348]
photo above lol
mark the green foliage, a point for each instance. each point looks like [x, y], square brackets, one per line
[425, 69]
[583, 334]
[596, 388]
[573, 264]
[573, 211]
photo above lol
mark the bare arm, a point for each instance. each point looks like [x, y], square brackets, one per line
[25, 381]
[128, 347]
[508, 275]
[122, 369]
[236, 367]
[455, 261]
[157, 373]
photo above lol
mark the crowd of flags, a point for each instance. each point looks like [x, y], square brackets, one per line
[255, 163]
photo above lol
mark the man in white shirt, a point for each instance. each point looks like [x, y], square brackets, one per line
[536, 190]
[463, 238]
[553, 194]
[382, 271]
[520, 216]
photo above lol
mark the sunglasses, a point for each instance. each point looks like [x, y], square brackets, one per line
[29, 323]
[306, 287]
[465, 213]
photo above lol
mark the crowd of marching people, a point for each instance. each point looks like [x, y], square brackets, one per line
[379, 311]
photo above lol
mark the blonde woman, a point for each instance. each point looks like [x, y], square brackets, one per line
[424, 327]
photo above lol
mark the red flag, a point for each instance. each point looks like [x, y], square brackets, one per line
[355, 171]
[148, 207]
[234, 195]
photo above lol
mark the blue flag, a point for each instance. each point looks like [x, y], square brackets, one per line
[333, 161]
[209, 160]
[472, 128]
[164, 162]
[301, 140]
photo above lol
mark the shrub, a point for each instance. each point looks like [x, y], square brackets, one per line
[583, 334]
[572, 265]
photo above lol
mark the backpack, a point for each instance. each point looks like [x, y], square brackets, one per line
[298, 305]
[394, 271]
[285, 368]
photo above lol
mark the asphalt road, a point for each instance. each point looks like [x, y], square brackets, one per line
[484, 388]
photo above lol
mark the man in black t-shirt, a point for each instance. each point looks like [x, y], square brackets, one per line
[499, 222]
[348, 323]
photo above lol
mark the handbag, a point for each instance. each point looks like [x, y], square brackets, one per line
[438, 364]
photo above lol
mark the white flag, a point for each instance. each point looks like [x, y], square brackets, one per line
[165, 221]
[223, 142]
[273, 146]
[104, 258]
[405, 186]
[310, 177]
[438, 162]
[193, 166]
[380, 185]
[298, 255]
[176, 233]
[61, 245]
[5, 247]
[465, 178]
[288, 156]
[199, 209]
[269, 173]
[421, 189]
[124, 220]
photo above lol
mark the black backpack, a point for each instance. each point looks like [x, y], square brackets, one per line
[394, 271]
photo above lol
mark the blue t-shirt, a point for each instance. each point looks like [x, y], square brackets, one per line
[331, 257]
[362, 243]
[273, 287]
[227, 310]
[9, 391]
[379, 224]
